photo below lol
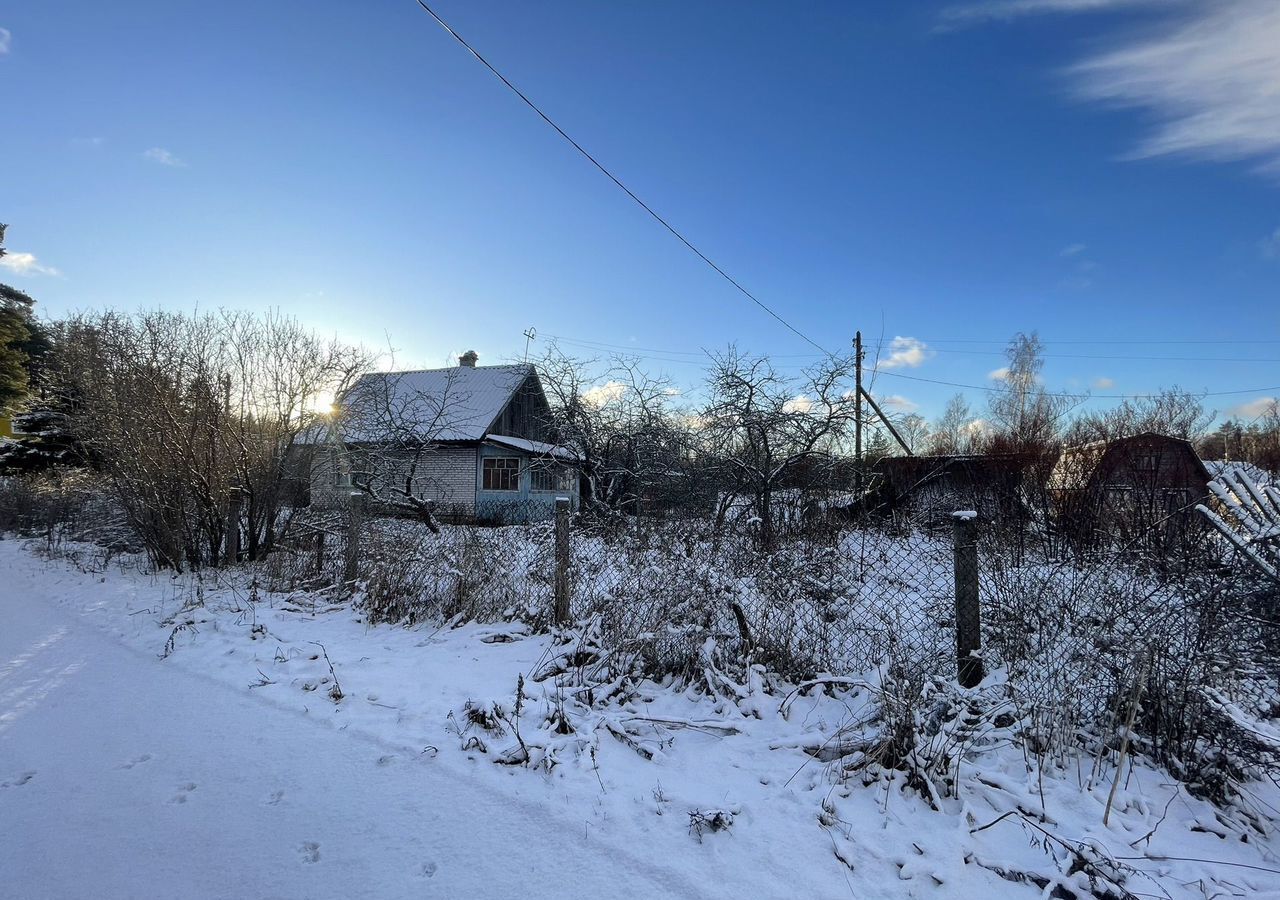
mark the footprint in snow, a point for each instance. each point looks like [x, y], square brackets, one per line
[136, 761]
[310, 851]
[276, 797]
[428, 869]
[184, 791]
[19, 781]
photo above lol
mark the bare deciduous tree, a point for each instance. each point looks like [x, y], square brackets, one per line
[191, 418]
[1024, 417]
[619, 421]
[761, 427]
[388, 429]
[1173, 412]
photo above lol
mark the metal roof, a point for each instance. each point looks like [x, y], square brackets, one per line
[459, 403]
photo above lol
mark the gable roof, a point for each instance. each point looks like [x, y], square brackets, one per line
[1077, 465]
[459, 403]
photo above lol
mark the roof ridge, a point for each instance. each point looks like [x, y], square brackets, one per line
[452, 368]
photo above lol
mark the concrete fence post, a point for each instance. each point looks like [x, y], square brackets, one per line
[355, 525]
[968, 611]
[319, 552]
[232, 554]
[562, 613]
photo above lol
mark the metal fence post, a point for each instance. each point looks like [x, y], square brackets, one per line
[562, 561]
[968, 612]
[355, 522]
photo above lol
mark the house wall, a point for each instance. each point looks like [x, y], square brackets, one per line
[527, 415]
[524, 505]
[452, 476]
[446, 475]
[1142, 489]
[1149, 466]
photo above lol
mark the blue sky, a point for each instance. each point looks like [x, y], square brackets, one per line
[1103, 171]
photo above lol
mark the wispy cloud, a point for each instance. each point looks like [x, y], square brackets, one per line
[1102, 383]
[965, 14]
[26, 264]
[163, 157]
[1072, 250]
[1255, 408]
[94, 142]
[1210, 80]
[6, 39]
[1000, 374]
[906, 351]
[1206, 74]
[1269, 246]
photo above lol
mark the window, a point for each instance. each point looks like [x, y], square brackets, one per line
[1119, 497]
[1148, 462]
[500, 474]
[1176, 500]
[340, 463]
[551, 478]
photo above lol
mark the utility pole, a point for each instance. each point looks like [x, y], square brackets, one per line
[857, 414]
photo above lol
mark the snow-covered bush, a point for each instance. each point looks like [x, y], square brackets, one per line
[64, 505]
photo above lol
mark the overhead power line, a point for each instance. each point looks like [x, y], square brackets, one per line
[929, 345]
[1126, 341]
[700, 358]
[630, 193]
[1081, 396]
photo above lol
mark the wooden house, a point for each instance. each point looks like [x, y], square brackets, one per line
[473, 440]
[1141, 488]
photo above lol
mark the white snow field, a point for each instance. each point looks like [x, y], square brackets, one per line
[211, 761]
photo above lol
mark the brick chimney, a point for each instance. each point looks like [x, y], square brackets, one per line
[468, 359]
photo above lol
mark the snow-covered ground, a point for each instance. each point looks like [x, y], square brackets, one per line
[170, 738]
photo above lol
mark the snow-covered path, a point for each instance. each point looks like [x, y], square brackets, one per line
[121, 776]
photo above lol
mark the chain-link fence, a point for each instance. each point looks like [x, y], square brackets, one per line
[1078, 618]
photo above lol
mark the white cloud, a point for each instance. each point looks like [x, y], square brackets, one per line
[1102, 383]
[898, 402]
[1004, 10]
[999, 374]
[88, 142]
[906, 351]
[6, 38]
[798, 403]
[1210, 80]
[25, 264]
[1072, 250]
[1270, 245]
[604, 394]
[1254, 408]
[163, 157]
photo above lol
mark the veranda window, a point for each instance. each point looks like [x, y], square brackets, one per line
[500, 473]
[550, 478]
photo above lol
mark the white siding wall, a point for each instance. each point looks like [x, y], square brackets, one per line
[446, 475]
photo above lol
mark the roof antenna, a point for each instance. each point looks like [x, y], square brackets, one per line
[530, 334]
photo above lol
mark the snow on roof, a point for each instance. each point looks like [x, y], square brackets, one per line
[539, 448]
[459, 403]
